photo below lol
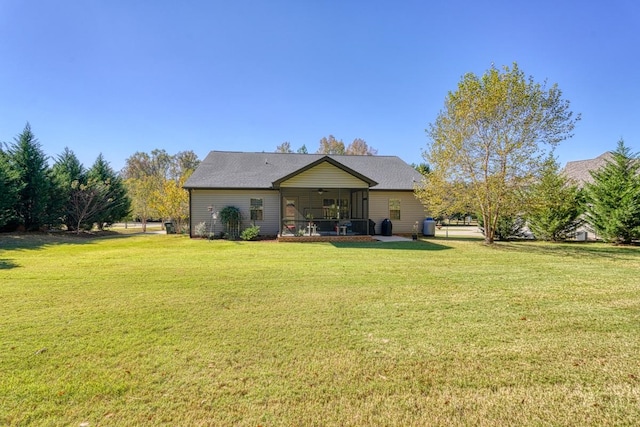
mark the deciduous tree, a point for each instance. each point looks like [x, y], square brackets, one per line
[330, 145]
[172, 201]
[493, 135]
[89, 202]
[285, 147]
[141, 192]
[443, 198]
[183, 163]
[359, 147]
[105, 181]
[155, 184]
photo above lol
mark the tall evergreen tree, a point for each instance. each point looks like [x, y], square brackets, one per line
[423, 168]
[555, 204]
[34, 198]
[68, 173]
[9, 190]
[116, 204]
[613, 199]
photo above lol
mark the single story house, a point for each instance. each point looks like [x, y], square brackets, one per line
[313, 194]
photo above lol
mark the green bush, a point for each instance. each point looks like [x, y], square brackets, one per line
[250, 233]
[507, 228]
[230, 217]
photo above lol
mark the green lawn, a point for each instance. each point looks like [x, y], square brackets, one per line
[164, 330]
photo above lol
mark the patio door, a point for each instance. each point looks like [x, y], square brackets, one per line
[290, 208]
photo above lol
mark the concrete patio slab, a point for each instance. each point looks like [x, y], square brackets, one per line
[392, 238]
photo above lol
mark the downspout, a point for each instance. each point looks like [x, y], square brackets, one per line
[191, 213]
[281, 215]
[366, 206]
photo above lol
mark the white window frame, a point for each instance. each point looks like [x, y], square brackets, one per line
[256, 208]
[395, 209]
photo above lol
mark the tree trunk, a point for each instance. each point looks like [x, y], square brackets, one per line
[489, 229]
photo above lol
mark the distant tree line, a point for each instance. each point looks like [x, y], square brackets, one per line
[331, 145]
[35, 196]
[554, 207]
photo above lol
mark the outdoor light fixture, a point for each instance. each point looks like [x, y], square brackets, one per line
[320, 191]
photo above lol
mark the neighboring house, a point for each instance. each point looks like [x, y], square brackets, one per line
[580, 170]
[284, 193]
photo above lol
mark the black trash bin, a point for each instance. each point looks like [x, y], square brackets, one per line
[372, 228]
[386, 227]
[170, 228]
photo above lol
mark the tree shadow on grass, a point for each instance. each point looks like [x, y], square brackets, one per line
[419, 245]
[6, 264]
[575, 250]
[457, 239]
[38, 240]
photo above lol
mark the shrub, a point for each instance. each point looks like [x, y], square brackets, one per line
[230, 217]
[510, 227]
[250, 233]
[201, 229]
[507, 228]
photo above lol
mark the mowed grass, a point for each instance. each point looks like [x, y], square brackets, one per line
[165, 330]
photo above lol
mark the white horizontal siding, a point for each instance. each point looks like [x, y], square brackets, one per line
[324, 175]
[241, 199]
[411, 210]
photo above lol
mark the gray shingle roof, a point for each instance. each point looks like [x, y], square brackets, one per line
[578, 170]
[226, 169]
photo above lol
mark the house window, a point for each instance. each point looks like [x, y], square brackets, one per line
[394, 209]
[256, 210]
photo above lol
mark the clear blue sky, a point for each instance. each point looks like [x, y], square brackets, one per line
[120, 76]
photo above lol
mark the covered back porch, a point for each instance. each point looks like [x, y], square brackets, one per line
[325, 212]
[324, 199]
